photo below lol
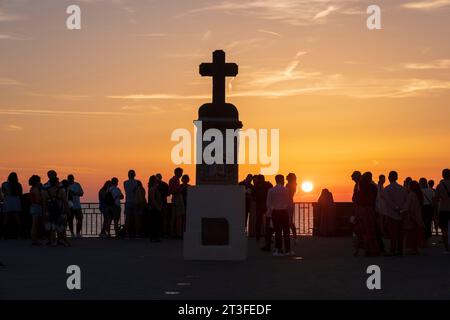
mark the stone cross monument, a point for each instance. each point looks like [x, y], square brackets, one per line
[222, 116]
[215, 217]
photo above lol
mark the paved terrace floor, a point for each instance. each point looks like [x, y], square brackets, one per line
[138, 269]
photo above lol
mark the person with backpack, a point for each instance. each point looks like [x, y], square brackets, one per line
[443, 198]
[113, 206]
[56, 208]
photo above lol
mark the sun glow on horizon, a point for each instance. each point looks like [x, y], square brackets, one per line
[307, 186]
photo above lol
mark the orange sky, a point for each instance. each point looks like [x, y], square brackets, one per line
[106, 98]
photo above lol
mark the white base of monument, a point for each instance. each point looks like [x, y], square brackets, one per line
[215, 223]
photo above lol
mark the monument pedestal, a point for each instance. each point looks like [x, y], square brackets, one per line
[215, 223]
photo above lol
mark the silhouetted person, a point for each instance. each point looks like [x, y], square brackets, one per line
[75, 192]
[130, 187]
[102, 207]
[247, 183]
[435, 207]
[175, 189]
[36, 208]
[443, 198]
[163, 189]
[381, 206]
[113, 207]
[12, 206]
[357, 242]
[395, 197]
[406, 183]
[155, 205]
[51, 174]
[365, 223]
[278, 203]
[431, 184]
[269, 228]
[428, 208]
[184, 190]
[413, 223]
[327, 214]
[56, 208]
[356, 176]
[260, 190]
[292, 187]
[378, 216]
[140, 209]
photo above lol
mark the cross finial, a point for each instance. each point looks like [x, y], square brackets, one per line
[218, 70]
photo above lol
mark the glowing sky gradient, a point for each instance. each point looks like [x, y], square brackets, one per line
[104, 99]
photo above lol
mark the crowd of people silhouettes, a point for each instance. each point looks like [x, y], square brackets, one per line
[273, 208]
[404, 214]
[53, 206]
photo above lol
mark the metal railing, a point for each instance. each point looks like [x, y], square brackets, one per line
[304, 218]
[93, 219]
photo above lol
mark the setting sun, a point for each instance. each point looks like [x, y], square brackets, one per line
[307, 186]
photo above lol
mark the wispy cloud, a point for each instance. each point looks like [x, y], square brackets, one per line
[324, 13]
[258, 84]
[12, 37]
[272, 33]
[152, 35]
[159, 96]
[238, 94]
[152, 109]
[415, 86]
[293, 79]
[185, 55]
[62, 96]
[288, 73]
[4, 16]
[245, 43]
[12, 127]
[9, 82]
[207, 35]
[391, 88]
[427, 5]
[46, 112]
[294, 12]
[435, 64]
[334, 85]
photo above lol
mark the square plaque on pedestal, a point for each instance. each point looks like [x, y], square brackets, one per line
[215, 223]
[215, 232]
